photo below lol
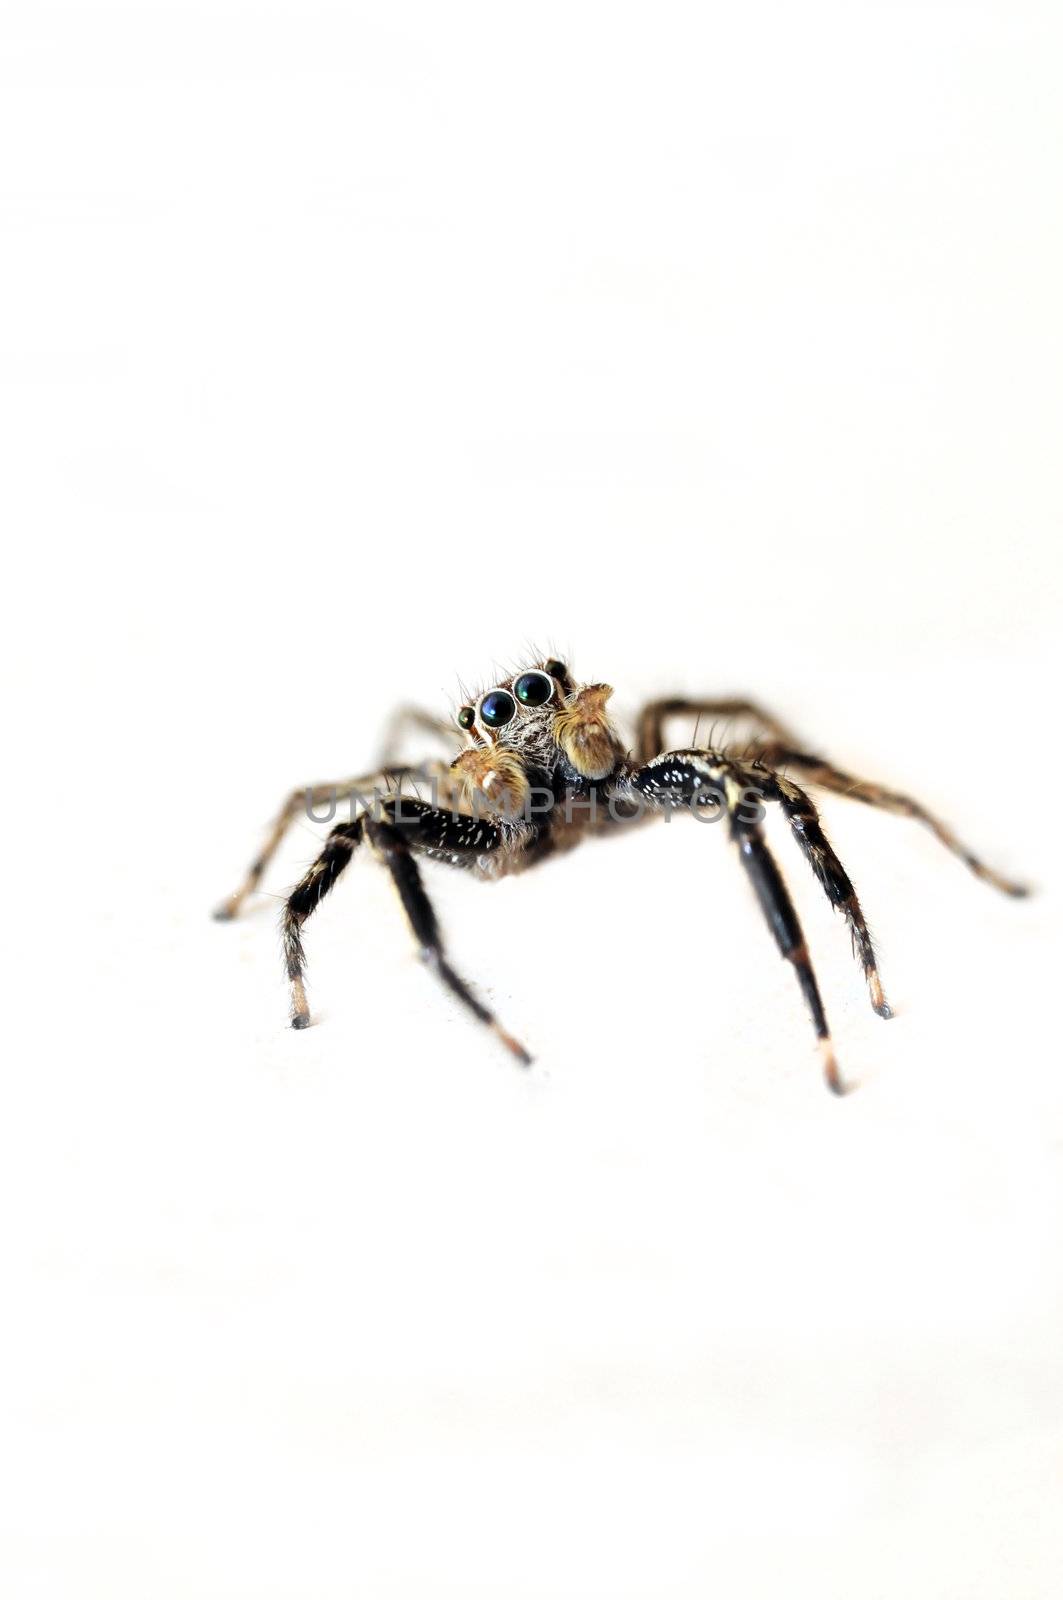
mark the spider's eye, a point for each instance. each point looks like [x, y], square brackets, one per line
[533, 688]
[497, 708]
[556, 669]
[466, 717]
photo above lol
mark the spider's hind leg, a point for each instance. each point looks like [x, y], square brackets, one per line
[821, 772]
[807, 829]
[653, 717]
[405, 719]
[318, 794]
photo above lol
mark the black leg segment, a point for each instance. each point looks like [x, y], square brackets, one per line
[305, 898]
[684, 778]
[394, 850]
[807, 829]
[779, 913]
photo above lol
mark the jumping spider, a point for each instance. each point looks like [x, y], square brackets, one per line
[543, 766]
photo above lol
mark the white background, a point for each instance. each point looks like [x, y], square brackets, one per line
[343, 350]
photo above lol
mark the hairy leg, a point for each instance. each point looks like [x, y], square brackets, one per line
[445, 835]
[683, 778]
[319, 794]
[651, 722]
[827, 776]
[807, 829]
[407, 718]
[393, 850]
[305, 898]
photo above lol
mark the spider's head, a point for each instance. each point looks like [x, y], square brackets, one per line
[538, 721]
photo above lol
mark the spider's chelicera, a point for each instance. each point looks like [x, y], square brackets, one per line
[544, 766]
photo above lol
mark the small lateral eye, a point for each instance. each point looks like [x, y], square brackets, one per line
[533, 688]
[497, 708]
[466, 717]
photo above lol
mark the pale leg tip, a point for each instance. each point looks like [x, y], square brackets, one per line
[835, 1082]
[879, 1003]
[225, 912]
[514, 1046]
[1008, 886]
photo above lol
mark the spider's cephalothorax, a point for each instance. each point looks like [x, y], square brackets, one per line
[534, 735]
[542, 766]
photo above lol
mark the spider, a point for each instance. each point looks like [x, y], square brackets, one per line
[543, 767]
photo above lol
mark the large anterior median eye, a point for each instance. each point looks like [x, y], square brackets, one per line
[497, 708]
[533, 688]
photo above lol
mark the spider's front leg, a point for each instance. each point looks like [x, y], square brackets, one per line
[400, 827]
[807, 829]
[686, 779]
